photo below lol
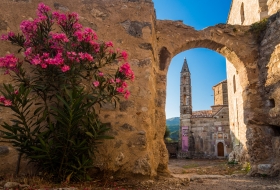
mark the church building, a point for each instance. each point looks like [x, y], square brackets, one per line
[205, 133]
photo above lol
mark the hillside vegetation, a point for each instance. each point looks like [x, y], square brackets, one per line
[173, 126]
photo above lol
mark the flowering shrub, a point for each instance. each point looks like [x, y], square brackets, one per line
[61, 80]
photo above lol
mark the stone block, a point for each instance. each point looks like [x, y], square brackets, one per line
[4, 150]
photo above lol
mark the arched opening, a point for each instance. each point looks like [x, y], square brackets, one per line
[205, 74]
[219, 105]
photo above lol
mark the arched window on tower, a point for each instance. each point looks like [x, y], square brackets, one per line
[184, 90]
[185, 111]
[185, 99]
[242, 13]
[234, 84]
[185, 78]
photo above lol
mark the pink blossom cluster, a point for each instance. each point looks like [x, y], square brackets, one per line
[120, 84]
[42, 11]
[9, 62]
[59, 37]
[29, 29]
[6, 36]
[89, 36]
[126, 70]
[63, 20]
[5, 101]
[57, 51]
[124, 55]
[45, 60]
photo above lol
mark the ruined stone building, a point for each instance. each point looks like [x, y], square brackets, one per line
[138, 124]
[203, 133]
[243, 12]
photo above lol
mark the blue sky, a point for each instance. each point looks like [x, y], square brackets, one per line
[206, 66]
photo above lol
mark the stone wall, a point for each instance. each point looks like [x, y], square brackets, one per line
[209, 131]
[263, 135]
[220, 93]
[256, 136]
[273, 6]
[236, 114]
[250, 14]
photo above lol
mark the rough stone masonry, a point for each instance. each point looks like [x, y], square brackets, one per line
[138, 124]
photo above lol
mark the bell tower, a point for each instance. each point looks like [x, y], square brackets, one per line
[185, 108]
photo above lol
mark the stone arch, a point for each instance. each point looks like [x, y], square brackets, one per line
[235, 43]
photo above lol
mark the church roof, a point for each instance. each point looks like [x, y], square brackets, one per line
[185, 67]
[202, 113]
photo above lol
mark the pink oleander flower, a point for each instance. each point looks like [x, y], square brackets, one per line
[124, 55]
[7, 102]
[57, 60]
[65, 68]
[73, 16]
[6, 36]
[85, 56]
[100, 74]
[88, 35]
[109, 44]
[96, 47]
[28, 52]
[9, 62]
[126, 70]
[16, 92]
[118, 80]
[28, 28]
[44, 65]
[72, 56]
[42, 9]
[2, 99]
[36, 60]
[96, 83]
[60, 18]
[126, 94]
[124, 84]
[77, 26]
[88, 57]
[120, 90]
[60, 37]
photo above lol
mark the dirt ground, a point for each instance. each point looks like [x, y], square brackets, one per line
[184, 174]
[204, 175]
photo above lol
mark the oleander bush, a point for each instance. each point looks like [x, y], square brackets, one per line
[55, 92]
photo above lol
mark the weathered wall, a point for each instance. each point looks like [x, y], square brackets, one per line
[258, 134]
[263, 136]
[220, 93]
[236, 113]
[273, 6]
[250, 15]
[209, 131]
